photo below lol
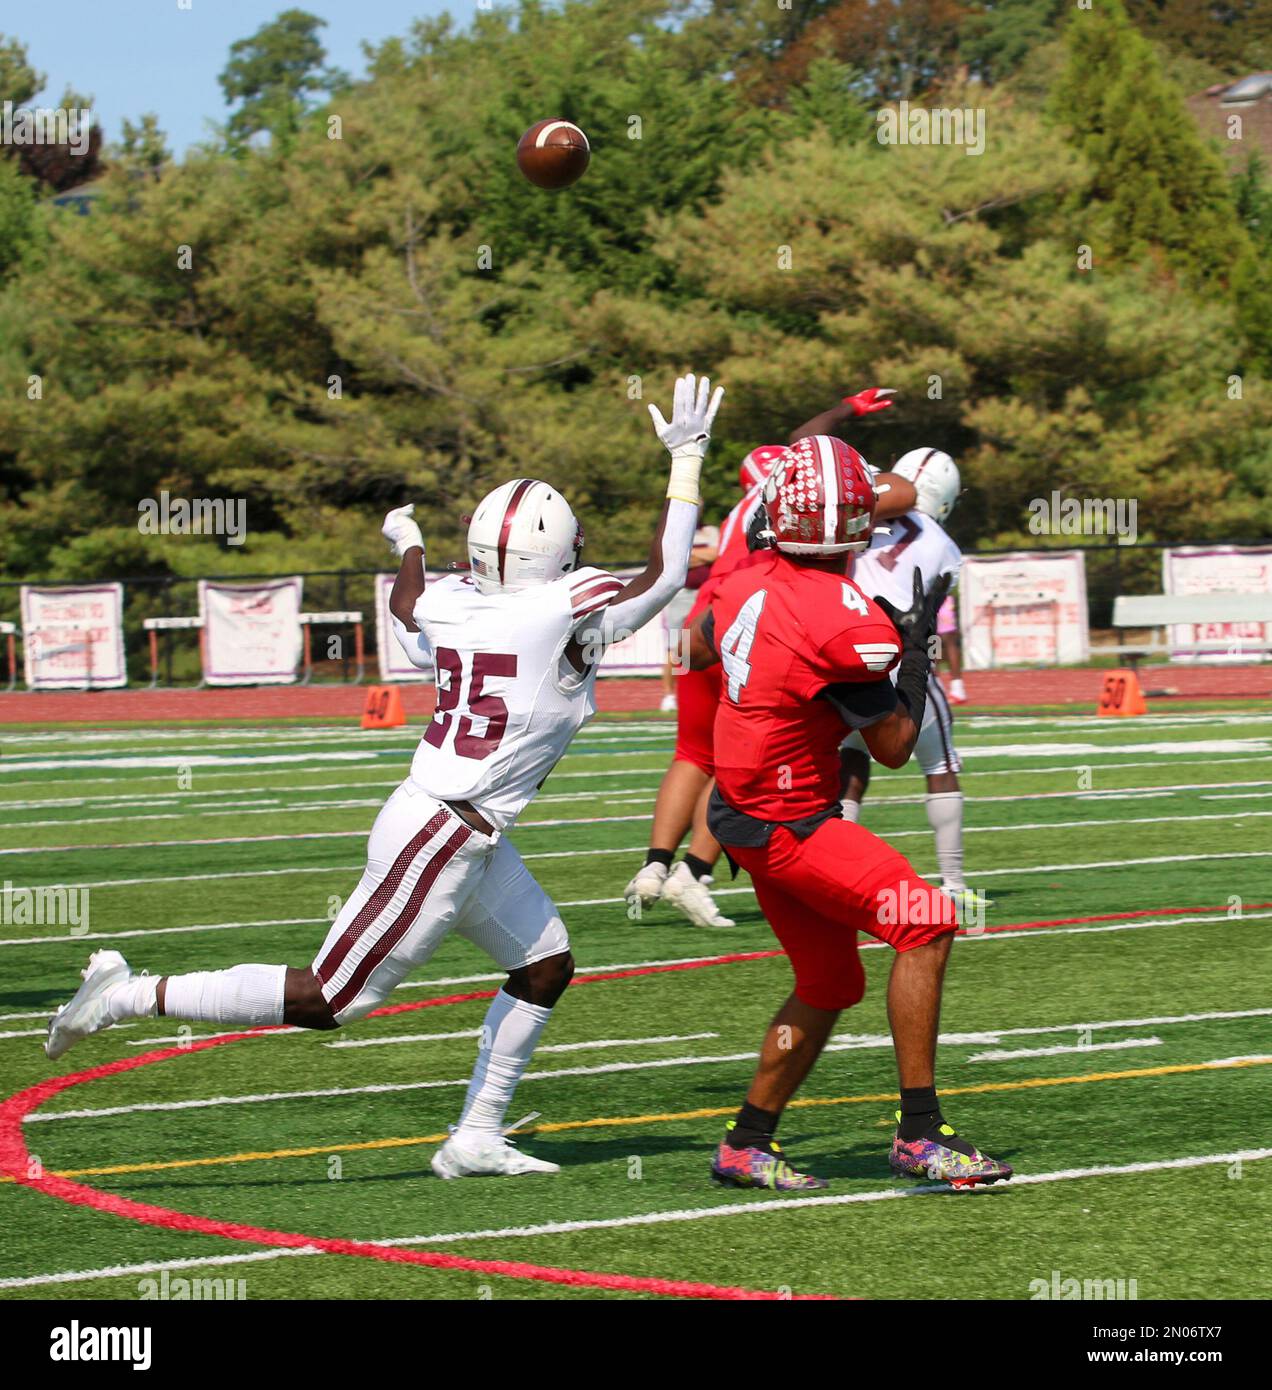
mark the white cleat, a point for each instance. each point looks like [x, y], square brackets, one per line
[486, 1156]
[692, 896]
[667, 705]
[647, 887]
[86, 1014]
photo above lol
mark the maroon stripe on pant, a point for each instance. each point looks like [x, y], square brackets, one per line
[390, 937]
[380, 898]
[937, 695]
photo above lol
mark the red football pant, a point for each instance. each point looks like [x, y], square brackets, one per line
[819, 892]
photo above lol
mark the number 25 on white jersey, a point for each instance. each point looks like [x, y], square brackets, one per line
[735, 646]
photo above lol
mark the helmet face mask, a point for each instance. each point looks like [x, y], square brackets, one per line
[819, 499]
[522, 535]
[936, 481]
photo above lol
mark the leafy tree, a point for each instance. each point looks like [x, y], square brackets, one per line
[395, 314]
[144, 147]
[997, 38]
[1156, 186]
[19, 81]
[274, 75]
[1235, 36]
[17, 215]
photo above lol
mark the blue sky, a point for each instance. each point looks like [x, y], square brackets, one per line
[134, 56]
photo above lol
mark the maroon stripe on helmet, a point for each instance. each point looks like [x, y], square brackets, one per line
[927, 458]
[390, 937]
[327, 966]
[505, 526]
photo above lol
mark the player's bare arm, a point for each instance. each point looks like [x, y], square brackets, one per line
[404, 534]
[896, 495]
[868, 402]
[685, 436]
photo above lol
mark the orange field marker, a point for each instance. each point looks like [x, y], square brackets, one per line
[383, 709]
[1121, 694]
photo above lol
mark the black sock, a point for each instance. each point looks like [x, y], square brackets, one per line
[920, 1112]
[699, 868]
[753, 1128]
[659, 856]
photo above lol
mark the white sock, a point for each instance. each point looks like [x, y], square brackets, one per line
[945, 816]
[135, 998]
[510, 1034]
[852, 809]
[247, 994]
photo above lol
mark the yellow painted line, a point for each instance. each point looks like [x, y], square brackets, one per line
[609, 1121]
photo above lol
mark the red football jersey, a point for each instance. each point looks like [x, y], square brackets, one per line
[785, 632]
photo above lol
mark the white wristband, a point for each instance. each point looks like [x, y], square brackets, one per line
[686, 471]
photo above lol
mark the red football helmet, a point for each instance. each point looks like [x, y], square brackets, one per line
[819, 499]
[757, 465]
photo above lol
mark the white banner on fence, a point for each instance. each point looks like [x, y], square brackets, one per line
[1216, 569]
[1024, 608]
[641, 654]
[251, 632]
[393, 663]
[73, 637]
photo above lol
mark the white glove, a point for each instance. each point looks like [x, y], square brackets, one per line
[400, 531]
[688, 433]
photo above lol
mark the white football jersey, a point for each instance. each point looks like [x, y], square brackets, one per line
[508, 703]
[914, 541]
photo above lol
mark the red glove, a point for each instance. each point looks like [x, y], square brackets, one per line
[871, 400]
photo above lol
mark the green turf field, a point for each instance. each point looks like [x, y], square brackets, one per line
[1140, 1043]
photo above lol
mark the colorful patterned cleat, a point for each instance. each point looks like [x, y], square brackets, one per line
[929, 1158]
[752, 1167]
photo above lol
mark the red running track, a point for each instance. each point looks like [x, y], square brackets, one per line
[327, 702]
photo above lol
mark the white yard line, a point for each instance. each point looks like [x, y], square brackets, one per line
[553, 1047]
[387, 1087]
[654, 1218]
[1013, 1054]
[114, 848]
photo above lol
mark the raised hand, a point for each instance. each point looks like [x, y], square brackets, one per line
[401, 531]
[918, 622]
[870, 401]
[693, 412]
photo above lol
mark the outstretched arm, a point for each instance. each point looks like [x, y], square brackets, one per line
[868, 402]
[686, 437]
[896, 494]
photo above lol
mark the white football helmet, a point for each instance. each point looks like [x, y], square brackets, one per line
[935, 478]
[521, 535]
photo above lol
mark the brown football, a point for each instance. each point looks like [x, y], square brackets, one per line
[553, 154]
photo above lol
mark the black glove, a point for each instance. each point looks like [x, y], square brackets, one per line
[916, 626]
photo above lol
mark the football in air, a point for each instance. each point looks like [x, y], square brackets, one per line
[553, 154]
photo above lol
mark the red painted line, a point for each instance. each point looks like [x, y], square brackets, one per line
[15, 1162]
[742, 956]
[630, 973]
